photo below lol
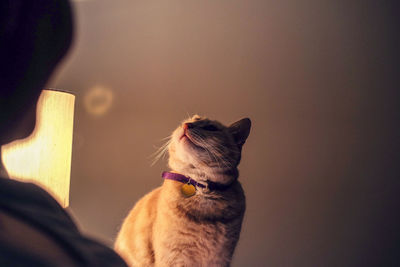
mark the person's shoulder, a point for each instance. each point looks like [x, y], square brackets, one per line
[16, 192]
[33, 206]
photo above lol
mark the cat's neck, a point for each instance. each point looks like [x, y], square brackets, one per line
[223, 177]
[196, 176]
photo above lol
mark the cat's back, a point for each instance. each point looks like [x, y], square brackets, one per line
[134, 241]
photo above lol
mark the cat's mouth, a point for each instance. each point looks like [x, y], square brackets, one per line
[186, 137]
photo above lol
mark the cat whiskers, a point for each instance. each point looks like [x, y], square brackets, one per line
[218, 150]
[188, 116]
[161, 151]
[203, 144]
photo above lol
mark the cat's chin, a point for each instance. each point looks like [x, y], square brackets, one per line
[188, 145]
[187, 142]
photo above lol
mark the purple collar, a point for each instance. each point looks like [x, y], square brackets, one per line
[187, 180]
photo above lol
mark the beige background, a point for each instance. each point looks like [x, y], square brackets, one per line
[317, 78]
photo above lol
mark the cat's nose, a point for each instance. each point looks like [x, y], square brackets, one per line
[188, 125]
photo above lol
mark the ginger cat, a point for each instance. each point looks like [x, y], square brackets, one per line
[195, 217]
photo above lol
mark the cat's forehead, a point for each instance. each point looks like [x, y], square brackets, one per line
[201, 120]
[195, 118]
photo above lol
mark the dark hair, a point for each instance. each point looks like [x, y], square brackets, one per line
[34, 37]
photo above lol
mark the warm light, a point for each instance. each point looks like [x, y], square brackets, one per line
[44, 157]
[98, 100]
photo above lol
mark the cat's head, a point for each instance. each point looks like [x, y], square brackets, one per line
[205, 149]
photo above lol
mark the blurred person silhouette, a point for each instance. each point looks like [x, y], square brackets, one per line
[34, 229]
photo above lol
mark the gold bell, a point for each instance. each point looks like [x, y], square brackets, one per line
[188, 190]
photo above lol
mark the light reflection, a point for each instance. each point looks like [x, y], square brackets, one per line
[44, 157]
[98, 100]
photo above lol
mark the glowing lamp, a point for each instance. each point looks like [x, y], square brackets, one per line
[44, 157]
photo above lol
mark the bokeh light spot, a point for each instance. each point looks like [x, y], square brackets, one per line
[98, 100]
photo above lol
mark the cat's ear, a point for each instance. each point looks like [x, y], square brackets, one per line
[240, 130]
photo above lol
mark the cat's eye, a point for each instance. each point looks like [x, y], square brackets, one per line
[210, 127]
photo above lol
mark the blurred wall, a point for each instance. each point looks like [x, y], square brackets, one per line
[317, 78]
